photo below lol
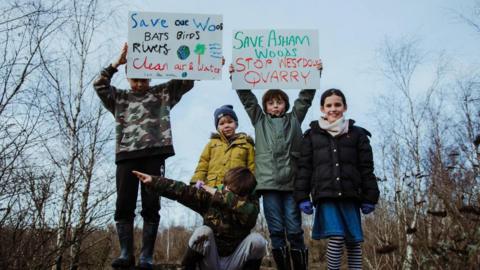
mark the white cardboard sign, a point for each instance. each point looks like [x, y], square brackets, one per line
[174, 46]
[273, 58]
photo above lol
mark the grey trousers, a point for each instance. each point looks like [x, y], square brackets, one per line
[253, 247]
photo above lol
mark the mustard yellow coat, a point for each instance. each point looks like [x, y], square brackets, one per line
[219, 156]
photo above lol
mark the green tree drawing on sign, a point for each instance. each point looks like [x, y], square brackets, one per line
[199, 50]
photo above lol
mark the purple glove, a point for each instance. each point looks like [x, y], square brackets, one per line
[199, 184]
[306, 207]
[367, 208]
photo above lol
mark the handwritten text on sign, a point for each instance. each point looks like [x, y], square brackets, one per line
[167, 45]
[285, 59]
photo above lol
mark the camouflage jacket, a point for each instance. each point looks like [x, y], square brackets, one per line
[142, 119]
[229, 216]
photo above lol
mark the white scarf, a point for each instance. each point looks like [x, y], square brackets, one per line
[336, 128]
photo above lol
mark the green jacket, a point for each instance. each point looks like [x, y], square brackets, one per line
[142, 119]
[220, 155]
[277, 140]
[229, 216]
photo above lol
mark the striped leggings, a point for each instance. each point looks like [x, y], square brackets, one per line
[335, 251]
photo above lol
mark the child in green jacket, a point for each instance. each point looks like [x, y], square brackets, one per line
[278, 136]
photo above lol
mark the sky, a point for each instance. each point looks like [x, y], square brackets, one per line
[350, 35]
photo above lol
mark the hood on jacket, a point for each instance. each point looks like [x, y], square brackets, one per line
[237, 136]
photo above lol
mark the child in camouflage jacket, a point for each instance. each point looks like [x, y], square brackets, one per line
[143, 142]
[229, 214]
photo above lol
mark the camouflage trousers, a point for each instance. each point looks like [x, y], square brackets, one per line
[253, 247]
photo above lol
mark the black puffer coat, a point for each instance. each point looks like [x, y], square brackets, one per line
[336, 168]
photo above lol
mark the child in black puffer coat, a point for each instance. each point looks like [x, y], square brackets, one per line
[336, 170]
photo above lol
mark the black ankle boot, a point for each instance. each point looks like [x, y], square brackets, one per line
[125, 237]
[191, 259]
[282, 258]
[149, 236]
[299, 259]
[252, 264]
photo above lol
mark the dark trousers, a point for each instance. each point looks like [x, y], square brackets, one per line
[127, 189]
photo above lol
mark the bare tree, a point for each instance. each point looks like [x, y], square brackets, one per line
[81, 135]
[25, 27]
[468, 129]
[471, 17]
[23, 31]
[404, 110]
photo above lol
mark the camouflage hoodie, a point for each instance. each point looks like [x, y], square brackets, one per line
[229, 216]
[142, 119]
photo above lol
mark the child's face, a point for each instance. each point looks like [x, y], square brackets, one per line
[226, 188]
[275, 106]
[227, 126]
[333, 108]
[139, 85]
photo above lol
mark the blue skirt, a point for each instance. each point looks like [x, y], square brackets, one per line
[337, 218]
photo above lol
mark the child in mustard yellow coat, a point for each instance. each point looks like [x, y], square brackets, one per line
[225, 150]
